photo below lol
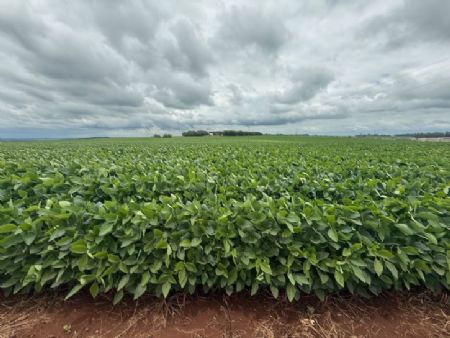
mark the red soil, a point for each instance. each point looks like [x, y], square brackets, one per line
[389, 315]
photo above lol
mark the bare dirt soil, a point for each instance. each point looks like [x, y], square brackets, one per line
[418, 314]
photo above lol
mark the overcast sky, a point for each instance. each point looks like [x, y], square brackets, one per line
[134, 68]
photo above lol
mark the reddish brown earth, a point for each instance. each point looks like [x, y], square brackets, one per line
[389, 315]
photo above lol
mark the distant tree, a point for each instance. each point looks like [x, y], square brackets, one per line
[373, 135]
[195, 133]
[167, 135]
[156, 136]
[240, 133]
[426, 135]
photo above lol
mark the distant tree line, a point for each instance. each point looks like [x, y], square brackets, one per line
[164, 136]
[221, 133]
[426, 135]
[417, 135]
[195, 133]
[281, 134]
[373, 135]
[240, 133]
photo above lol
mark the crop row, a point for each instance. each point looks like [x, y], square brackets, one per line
[136, 218]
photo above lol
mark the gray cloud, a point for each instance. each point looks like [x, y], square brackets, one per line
[305, 84]
[191, 53]
[409, 22]
[119, 21]
[283, 119]
[252, 26]
[183, 92]
[110, 68]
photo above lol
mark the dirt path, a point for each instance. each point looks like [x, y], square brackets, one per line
[389, 315]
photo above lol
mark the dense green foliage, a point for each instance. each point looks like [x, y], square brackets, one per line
[195, 133]
[313, 215]
[240, 133]
[427, 135]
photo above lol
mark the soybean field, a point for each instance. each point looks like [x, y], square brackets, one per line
[291, 216]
